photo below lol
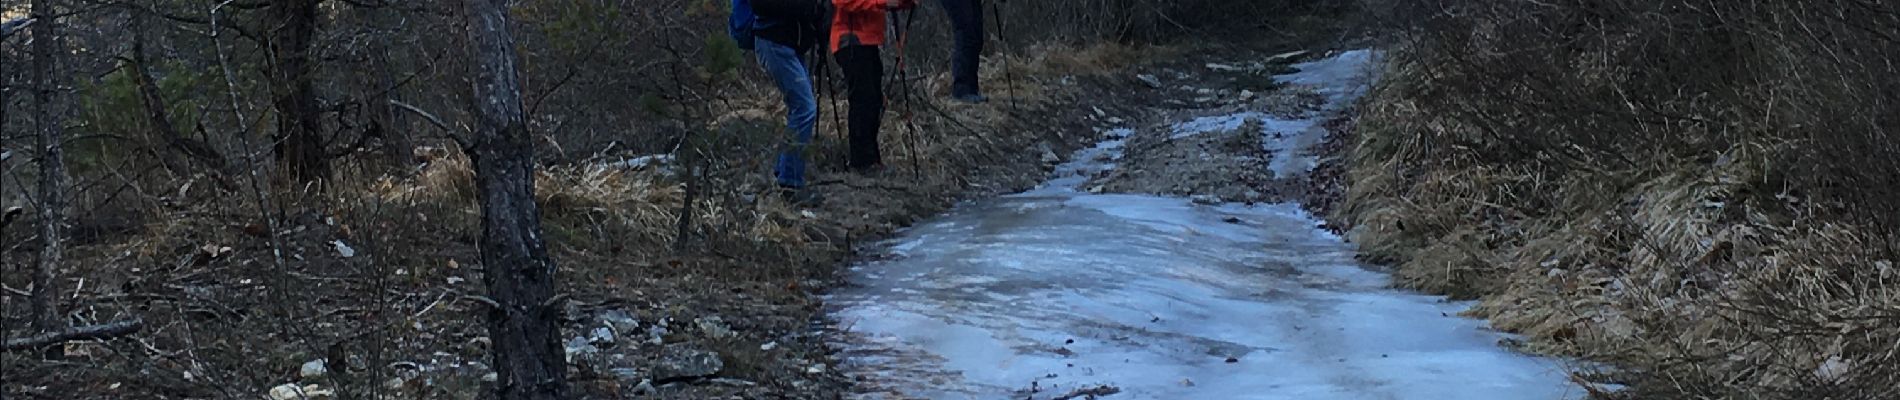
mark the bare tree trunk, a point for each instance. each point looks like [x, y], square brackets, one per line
[44, 306]
[47, 46]
[158, 112]
[299, 143]
[398, 146]
[6, 264]
[518, 272]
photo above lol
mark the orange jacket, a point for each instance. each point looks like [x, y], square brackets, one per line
[862, 21]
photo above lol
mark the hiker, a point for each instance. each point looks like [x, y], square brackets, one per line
[966, 19]
[857, 31]
[781, 32]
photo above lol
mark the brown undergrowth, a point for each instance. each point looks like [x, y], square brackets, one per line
[1675, 212]
[377, 277]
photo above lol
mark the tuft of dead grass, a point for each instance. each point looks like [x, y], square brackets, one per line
[1687, 259]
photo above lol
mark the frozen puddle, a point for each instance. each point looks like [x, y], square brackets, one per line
[1038, 295]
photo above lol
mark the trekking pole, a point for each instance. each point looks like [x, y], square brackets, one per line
[830, 92]
[904, 88]
[1002, 36]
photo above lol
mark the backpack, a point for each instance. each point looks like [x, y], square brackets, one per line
[739, 24]
[797, 23]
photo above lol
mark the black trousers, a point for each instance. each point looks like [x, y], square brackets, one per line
[864, 75]
[966, 19]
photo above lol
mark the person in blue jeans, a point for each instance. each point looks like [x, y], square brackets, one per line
[781, 32]
[787, 68]
[966, 20]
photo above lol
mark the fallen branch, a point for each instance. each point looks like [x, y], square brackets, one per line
[1089, 393]
[106, 331]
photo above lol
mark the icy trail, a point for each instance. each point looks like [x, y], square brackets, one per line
[1040, 294]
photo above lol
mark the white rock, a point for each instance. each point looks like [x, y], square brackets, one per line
[620, 320]
[1834, 370]
[343, 248]
[768, 346]
[1150, 80]
[645, 388]
[314, 369]
[317, 392]
[288, 391]
[603, 335]
[578, 346]
[491, 377]
[815, 369]
[714, 327]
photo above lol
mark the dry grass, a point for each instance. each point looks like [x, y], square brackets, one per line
[1696, 243]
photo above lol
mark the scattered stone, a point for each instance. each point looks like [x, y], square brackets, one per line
[1834, 370]
[768, 346]
[602, 337]
[656, 334]
[1222, 67]
[491, 377]
[686, 361]
[1204, 199]
[343, 249]
[815, 369]
[645, 388]
[314, 369]
[288, 391]
[579, 346]
[1231, 220]
[1231, 360]
[1050, 157]
[1150, 80]
[714, 327]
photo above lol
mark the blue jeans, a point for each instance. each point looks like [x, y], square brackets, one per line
[787, 69]
[966, 21]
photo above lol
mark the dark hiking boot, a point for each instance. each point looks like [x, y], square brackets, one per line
[871, 171]
[971, 98]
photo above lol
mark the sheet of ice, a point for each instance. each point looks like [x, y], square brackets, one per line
[1153, 295]
[1215, 123]
[1341, 78]
[1035, 295]
[1086, 163]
